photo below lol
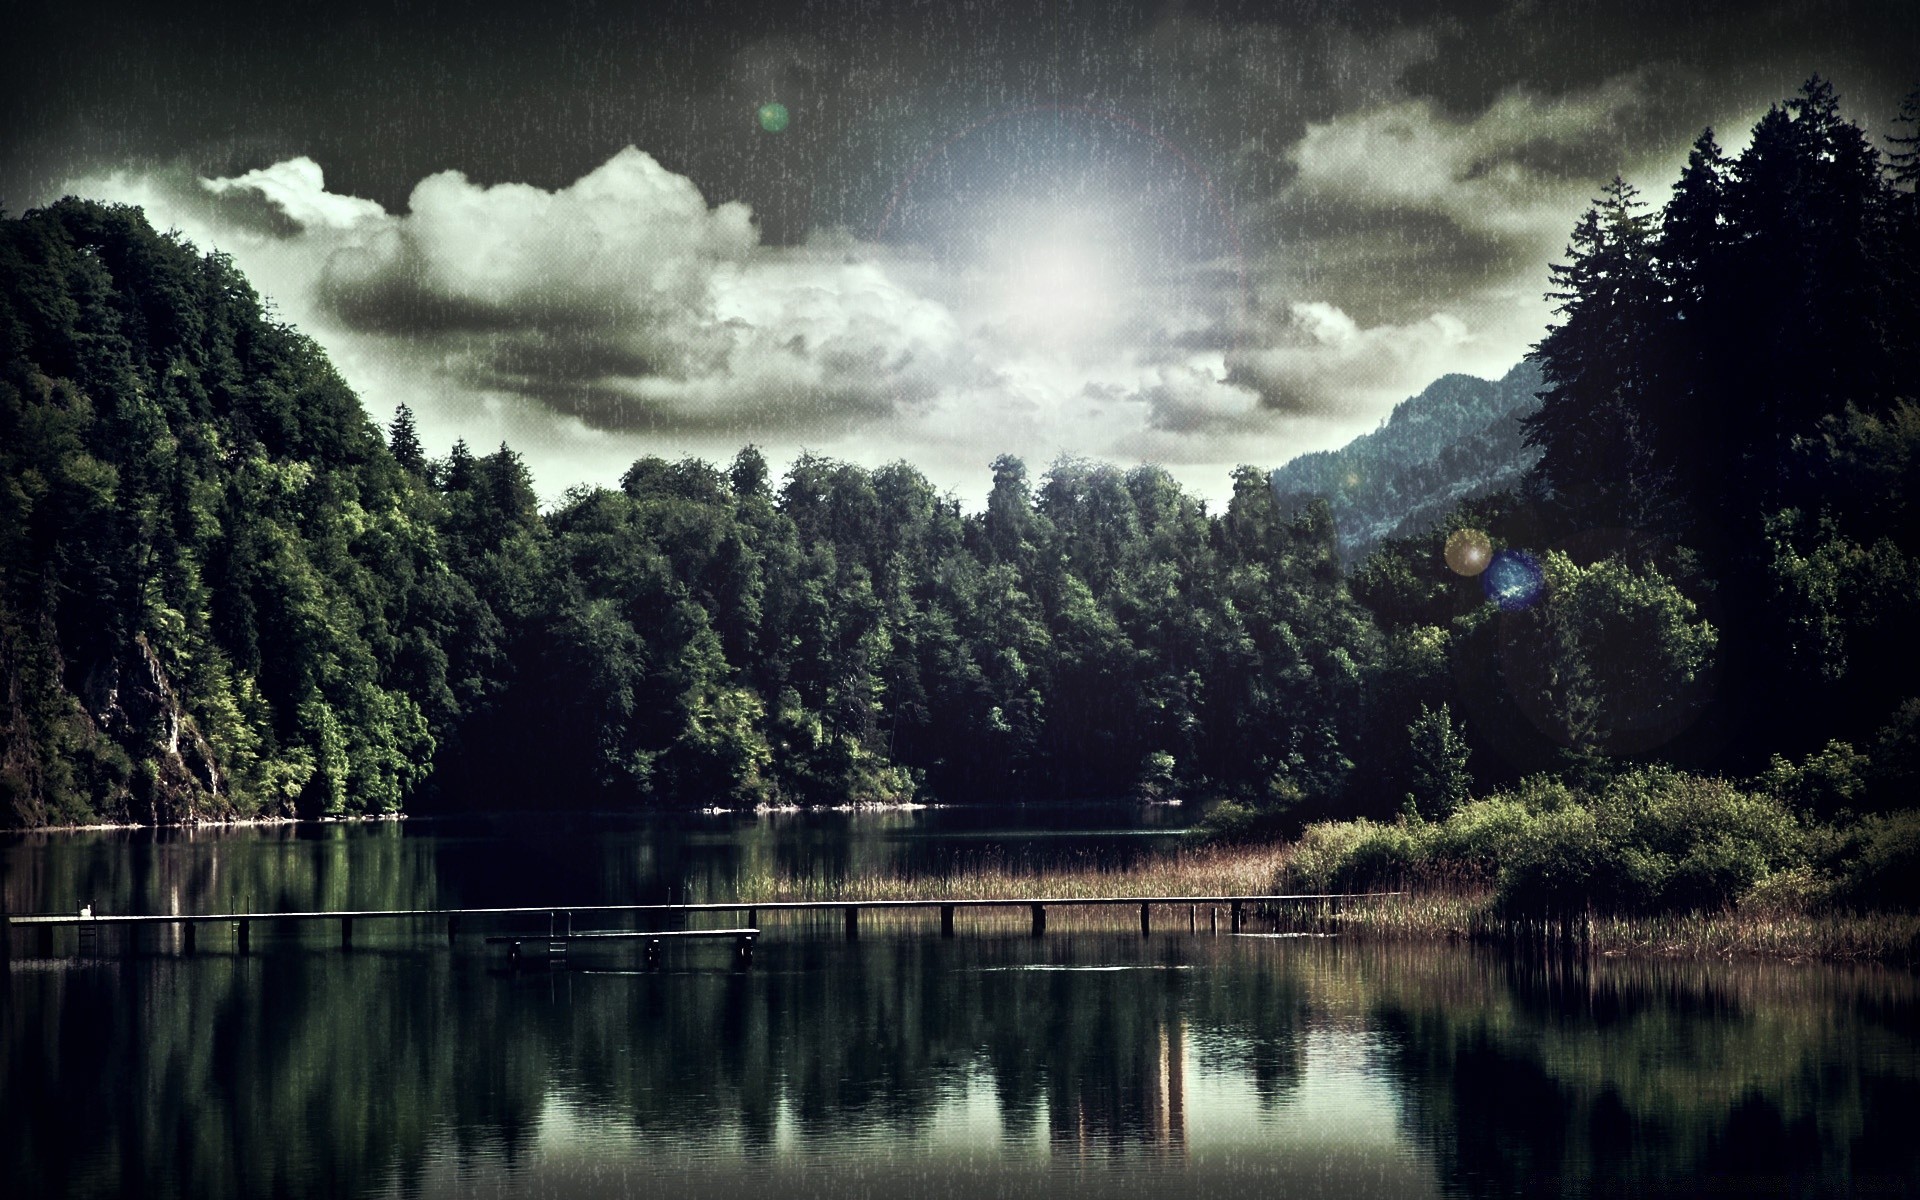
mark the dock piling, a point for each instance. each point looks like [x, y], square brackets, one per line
[1039, 920]
[1146, 922]
[245, 936]
[346, 933]
[946, 920]
[189, 936]
[1234, 911]
[453, 929]
[853, 923]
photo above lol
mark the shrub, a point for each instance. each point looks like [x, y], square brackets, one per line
[1355, 855]
[1230, 822]
[1484, 833]
[1652, 840]
[1880, 865]
[1827, 782]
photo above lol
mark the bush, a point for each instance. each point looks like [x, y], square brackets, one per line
[1647, 840]
[1356, 855]
[1652, 840]
[1827, 782]
[1231, 822]
[1880, 862]
[1473, 842]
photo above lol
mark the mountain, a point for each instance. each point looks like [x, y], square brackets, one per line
[1459, 438]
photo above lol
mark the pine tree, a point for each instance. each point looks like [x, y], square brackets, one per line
[1904, 163]
[1596, 418]
[404, 440]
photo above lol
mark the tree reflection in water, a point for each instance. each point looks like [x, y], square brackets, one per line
[1192, 1061]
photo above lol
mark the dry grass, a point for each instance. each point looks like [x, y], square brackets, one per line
[1468, 915]
[1424, 911]
[1195, 871]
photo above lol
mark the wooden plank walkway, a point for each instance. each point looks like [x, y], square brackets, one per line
[91, 924]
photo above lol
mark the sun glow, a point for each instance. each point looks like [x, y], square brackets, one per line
[1060, 280]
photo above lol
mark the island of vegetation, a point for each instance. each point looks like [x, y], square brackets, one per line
[1666, 677]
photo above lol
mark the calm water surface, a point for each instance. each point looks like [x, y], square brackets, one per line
[1091, 1061]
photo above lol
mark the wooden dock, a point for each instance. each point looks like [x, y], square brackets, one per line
[560, 919]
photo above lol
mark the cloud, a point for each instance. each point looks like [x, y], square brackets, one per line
[623, 299]
[297, 189]
[1325, 365]
[627, 305]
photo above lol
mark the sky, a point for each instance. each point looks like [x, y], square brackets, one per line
[1195, 235]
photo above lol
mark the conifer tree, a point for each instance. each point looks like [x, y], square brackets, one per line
[404, 440]
[1595, 422]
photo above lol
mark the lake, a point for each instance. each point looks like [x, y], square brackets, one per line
[1091, 1061]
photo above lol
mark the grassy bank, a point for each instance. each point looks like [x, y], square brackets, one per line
[1429, 909]
[1471, 915]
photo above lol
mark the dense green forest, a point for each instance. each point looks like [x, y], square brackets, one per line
[225, 592]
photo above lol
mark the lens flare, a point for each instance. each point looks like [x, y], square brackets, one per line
[1513, 580]
[1468, 552]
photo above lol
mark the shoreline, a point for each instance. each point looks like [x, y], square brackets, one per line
[1445, 912]
[1439, 914]
[702, 811]
[207, 823]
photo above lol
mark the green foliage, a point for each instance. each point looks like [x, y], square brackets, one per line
[1650, 840]
[211, 567]
[223, 592]
[1826, 783]
[1879, 861]
[1441, 781]
[1611, 658]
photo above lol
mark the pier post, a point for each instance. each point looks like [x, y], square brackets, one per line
[346, 933]
[1146, 923]
[853, 923]
[189, 936]
[246, 936]
[1213, 918]
[46, 941]
[753, 918]
[1234, 916]
[453, 929]
[1193, 918]
[653, 953]
[1039, 919]
[946, 920]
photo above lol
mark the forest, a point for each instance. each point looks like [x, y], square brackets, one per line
[226, 593]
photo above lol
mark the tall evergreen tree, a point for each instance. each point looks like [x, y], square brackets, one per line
[1596, 422]
[404, 442]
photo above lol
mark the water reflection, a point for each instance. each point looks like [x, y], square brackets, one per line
[1091, 1061]
[528, 860]
[988, 1064]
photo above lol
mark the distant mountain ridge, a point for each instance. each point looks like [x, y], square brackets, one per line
[1459, 438]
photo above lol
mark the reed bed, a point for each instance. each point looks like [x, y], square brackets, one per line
[1188, 871]
[1426, 909]
[1469, 915]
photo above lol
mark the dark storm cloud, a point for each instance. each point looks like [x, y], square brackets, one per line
[1387, 180]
